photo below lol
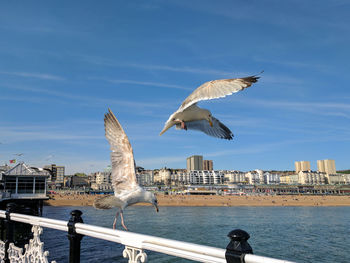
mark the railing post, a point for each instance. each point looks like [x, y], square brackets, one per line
[238, 246]
[10, 208]
[74, 238]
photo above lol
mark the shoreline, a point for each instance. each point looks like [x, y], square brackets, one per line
[215, 200]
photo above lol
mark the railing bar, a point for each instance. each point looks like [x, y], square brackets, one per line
[182, 249]
[101, 229]
[251, 258]
[210, 251]
[99, 235]
[122, 235]
[185, 254]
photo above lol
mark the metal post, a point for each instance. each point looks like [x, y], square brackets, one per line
[238, 247]
[74, 238]
[10, 208]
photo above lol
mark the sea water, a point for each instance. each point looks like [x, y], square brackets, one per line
[301, 234]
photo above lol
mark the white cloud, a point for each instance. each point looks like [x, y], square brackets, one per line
[41, 76]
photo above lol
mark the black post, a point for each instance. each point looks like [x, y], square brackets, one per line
[238, 246]
[74, 238]
[10, 208]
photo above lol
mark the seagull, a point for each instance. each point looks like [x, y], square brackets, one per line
[191, 117]
[126, 190]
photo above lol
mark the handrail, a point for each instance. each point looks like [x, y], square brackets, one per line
[141, 242]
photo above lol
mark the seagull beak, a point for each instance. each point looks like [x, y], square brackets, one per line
[167, 127]
[156, 208]
[210, 122]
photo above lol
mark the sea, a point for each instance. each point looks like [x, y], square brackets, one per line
[300, 234]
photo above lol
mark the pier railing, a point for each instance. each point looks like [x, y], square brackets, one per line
[135, 244]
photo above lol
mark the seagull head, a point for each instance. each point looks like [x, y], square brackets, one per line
[208, 117]
[155, 202]
[174, 119]
[151, 198]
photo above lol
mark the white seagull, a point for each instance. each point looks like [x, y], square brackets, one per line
[126, 190]
[190, 116]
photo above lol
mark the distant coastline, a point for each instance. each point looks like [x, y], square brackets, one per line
[215, 200]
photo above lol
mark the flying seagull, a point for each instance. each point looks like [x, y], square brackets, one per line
[191, 117]
[126, 190]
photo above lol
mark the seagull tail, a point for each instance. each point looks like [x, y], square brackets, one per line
[106, 202]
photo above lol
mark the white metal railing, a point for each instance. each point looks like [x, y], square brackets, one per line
[135, 244]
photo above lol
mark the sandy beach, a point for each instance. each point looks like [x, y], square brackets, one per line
[205, 200]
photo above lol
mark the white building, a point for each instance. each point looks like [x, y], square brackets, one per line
[145, 177]
[206, 177]
[271, 178]
[311, 177]
[103, 177]
[339, 178]
[235, 177]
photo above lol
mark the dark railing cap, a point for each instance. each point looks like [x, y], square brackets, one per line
[238, 235]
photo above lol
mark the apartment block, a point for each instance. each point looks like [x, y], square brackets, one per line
[326, 166]
[195, 162]
[208, 165]
[302, 166]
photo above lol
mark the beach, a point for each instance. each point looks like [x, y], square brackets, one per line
[215, 200]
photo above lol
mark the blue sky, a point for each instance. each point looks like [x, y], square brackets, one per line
[63, 63]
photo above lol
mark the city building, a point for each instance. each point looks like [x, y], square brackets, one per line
[103, 177]
[206, 177]
[79, 181]
[326, 166]
[235, 177]
[255, 177]
[311, 177]
[339, 178]
[302, 166]
[271, 178]
[145, 177]
[56, 178]
[195, 162]
[208, 165]
[180, 177]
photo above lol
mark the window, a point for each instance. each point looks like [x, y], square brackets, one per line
[39, 185]
[10, 184]
[25, 185]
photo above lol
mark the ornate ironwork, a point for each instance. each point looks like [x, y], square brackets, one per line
[34, 250]
[2, 251]
[134, 255]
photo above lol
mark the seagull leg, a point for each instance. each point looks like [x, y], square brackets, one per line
[183, 125]
[115, 220]
[121, 216]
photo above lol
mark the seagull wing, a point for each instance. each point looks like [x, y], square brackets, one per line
[217, 89]
[122, 157]
[218, 130]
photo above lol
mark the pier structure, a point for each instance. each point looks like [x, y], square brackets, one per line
[237, 251]
[25, 189]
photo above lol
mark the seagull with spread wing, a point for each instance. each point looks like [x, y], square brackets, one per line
[190, 116]
[126, 190]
